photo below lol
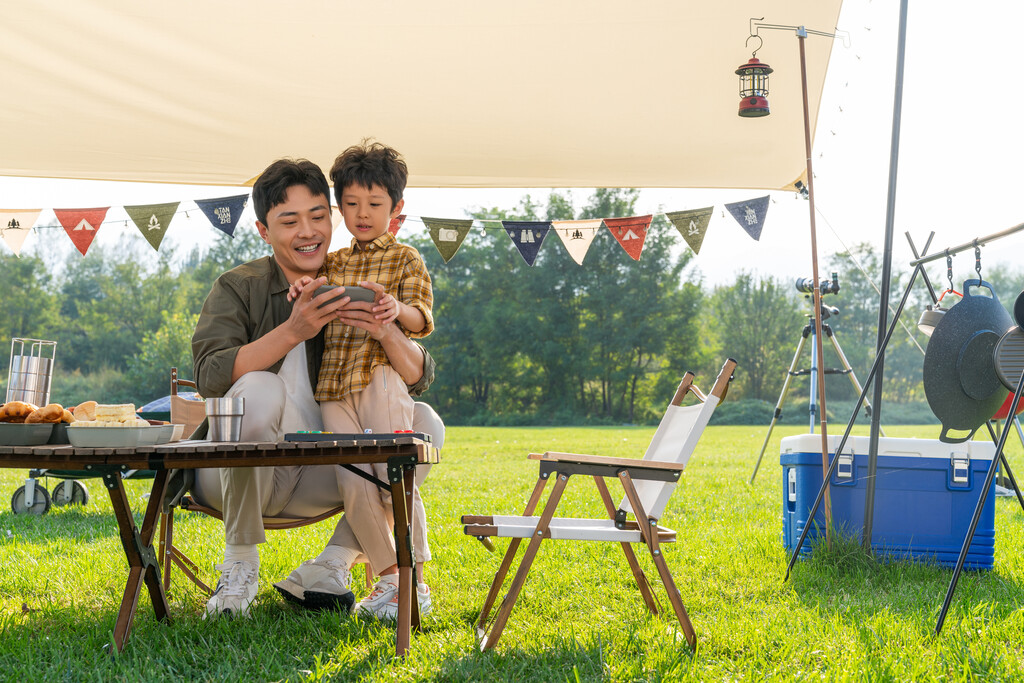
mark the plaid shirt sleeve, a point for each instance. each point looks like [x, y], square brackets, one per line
[414, 289]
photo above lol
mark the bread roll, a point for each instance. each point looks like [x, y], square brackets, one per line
[85, 410]
[50, 413]
[67, 417]
[16, 411]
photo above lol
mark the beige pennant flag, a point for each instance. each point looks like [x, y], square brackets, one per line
[335, 218]
[15, 225]
[577, 236]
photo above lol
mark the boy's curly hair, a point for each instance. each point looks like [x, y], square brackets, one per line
[368, 164]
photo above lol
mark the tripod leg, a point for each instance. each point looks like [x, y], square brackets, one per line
[778, 406]
[849, 372]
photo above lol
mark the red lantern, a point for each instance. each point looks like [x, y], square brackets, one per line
[754, 88]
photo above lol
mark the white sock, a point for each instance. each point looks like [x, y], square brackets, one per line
[245, 552]
[337, 554]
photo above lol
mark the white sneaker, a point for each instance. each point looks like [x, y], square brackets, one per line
[318, 584]
[382, 602]
[236, 589]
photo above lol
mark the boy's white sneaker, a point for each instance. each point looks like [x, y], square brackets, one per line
[236, 589]
[382, 602]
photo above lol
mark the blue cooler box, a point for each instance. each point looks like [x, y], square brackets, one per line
[925, 496]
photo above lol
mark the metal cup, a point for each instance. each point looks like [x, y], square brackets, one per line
[225, 418]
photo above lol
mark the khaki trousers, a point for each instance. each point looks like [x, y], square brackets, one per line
[245, 495]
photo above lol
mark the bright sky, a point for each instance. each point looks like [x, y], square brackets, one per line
[959, 163]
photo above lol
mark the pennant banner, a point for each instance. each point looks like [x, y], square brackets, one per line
[750, 214]
[448, 234]
[15, 225]
[396, 224]
[224, 212]
[577, 236]
[692, 225]
[81, 225]
[152, 220]
[528, 236]
[630, 233]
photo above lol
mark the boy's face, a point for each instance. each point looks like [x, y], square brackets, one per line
[367, 211]
[299, 231]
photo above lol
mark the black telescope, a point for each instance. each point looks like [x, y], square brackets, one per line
[806, 285]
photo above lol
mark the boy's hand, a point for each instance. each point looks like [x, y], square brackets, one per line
[296, 287]
[385, 308]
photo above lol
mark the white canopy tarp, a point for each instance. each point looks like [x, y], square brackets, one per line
[522, 93]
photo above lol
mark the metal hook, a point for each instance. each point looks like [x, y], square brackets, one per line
[753, 34]
[949, 269]
[977, 258]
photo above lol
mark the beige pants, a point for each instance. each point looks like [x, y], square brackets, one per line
[246, 495]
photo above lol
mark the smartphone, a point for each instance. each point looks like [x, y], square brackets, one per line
[355, 293]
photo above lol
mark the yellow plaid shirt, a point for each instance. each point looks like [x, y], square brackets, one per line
[350, 354]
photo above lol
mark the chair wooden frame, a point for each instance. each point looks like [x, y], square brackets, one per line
[643, 528]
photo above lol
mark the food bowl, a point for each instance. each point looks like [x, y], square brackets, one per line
[21, 434]
[108, 437]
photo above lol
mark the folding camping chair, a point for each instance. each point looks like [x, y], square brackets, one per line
[648, 484]
[182, 412]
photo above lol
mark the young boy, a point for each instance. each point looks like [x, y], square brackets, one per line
[357, 387]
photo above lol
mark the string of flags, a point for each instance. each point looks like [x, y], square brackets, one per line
[447, 234]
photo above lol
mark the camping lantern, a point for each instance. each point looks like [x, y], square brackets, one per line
[754, 88]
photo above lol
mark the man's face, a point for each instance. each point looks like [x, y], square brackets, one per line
[299, 231]
[367, 211]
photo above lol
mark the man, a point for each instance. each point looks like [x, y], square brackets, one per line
[251, 343]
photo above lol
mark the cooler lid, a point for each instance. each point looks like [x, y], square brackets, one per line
[904, 448]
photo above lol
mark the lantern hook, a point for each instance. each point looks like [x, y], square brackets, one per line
[753, 34]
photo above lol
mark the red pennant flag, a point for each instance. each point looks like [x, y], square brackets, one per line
[630, 233]
[81, 225]
[396, 224]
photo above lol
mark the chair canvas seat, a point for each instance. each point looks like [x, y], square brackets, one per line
[572, 529]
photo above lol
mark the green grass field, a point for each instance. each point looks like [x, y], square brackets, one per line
[842, 616]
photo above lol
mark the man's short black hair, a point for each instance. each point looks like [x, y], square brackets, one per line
[272, 186]
[368, 164]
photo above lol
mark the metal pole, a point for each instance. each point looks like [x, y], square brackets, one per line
[883, 304]
[801, 34]
[978, 241]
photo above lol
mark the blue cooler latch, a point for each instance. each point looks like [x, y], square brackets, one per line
[959, 470]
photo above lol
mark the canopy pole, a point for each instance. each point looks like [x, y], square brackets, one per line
[801, 34]
[883, 304]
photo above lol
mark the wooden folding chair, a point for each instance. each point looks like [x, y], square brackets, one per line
[648, 485]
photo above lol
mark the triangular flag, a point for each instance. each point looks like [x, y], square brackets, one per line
[335, 217]
[692, 225]
[152, 220]
[630, 233]
[81, 225]
[528, 236]
[396, 224]
[447, 234]
[750, 214]
[15, 225]
[224, 212]
[577, 236]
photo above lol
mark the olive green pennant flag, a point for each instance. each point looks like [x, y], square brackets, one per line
[152, 220]
[692, 225]
[448, 234]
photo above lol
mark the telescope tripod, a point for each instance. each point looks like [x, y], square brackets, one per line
[813, 373]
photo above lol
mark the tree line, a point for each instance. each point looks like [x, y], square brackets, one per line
[555, 343]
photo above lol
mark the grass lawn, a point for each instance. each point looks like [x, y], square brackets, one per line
[841, 616]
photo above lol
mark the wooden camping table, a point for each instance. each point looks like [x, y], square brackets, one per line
[401, 454]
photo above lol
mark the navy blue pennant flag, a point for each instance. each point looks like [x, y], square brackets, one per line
[528, 236]
[750, 214]
[224, 212]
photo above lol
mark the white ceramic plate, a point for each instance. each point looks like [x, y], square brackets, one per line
[21, 434]
[110, 437]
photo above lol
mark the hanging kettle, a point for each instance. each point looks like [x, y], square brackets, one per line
[960, 379]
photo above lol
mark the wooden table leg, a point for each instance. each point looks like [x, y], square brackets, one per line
[402, 478]
[138, 548]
